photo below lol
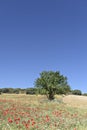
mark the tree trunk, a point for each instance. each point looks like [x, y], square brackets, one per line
[51, 96]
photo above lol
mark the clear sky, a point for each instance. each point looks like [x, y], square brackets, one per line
[37, 35]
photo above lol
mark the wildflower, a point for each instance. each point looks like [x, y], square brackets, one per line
[10, 120]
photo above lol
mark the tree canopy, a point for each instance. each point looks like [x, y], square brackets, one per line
[51, 81]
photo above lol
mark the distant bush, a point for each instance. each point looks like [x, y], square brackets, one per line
[31, 91]
[63, 90]
[0, 91]
[76, 92]
[84, 94]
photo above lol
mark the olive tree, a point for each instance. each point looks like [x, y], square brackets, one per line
[51, 81]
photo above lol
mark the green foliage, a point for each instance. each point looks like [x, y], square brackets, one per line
[31, 91]
[76, 92]
[12, 90]
[51, 81]
[0, 91]
[84, 94]
[41, 91]
[16, 90]
[63, 89]
[5, 90]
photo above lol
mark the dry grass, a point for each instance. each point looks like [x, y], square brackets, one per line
[76, 101]
[69, 100]
[70, 111]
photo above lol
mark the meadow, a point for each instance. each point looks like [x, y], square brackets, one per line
[35, 112]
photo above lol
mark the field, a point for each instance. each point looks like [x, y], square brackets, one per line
[27, 112]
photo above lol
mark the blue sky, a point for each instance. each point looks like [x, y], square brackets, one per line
[37, 35]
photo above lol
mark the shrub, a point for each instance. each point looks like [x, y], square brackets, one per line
[76, 92]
